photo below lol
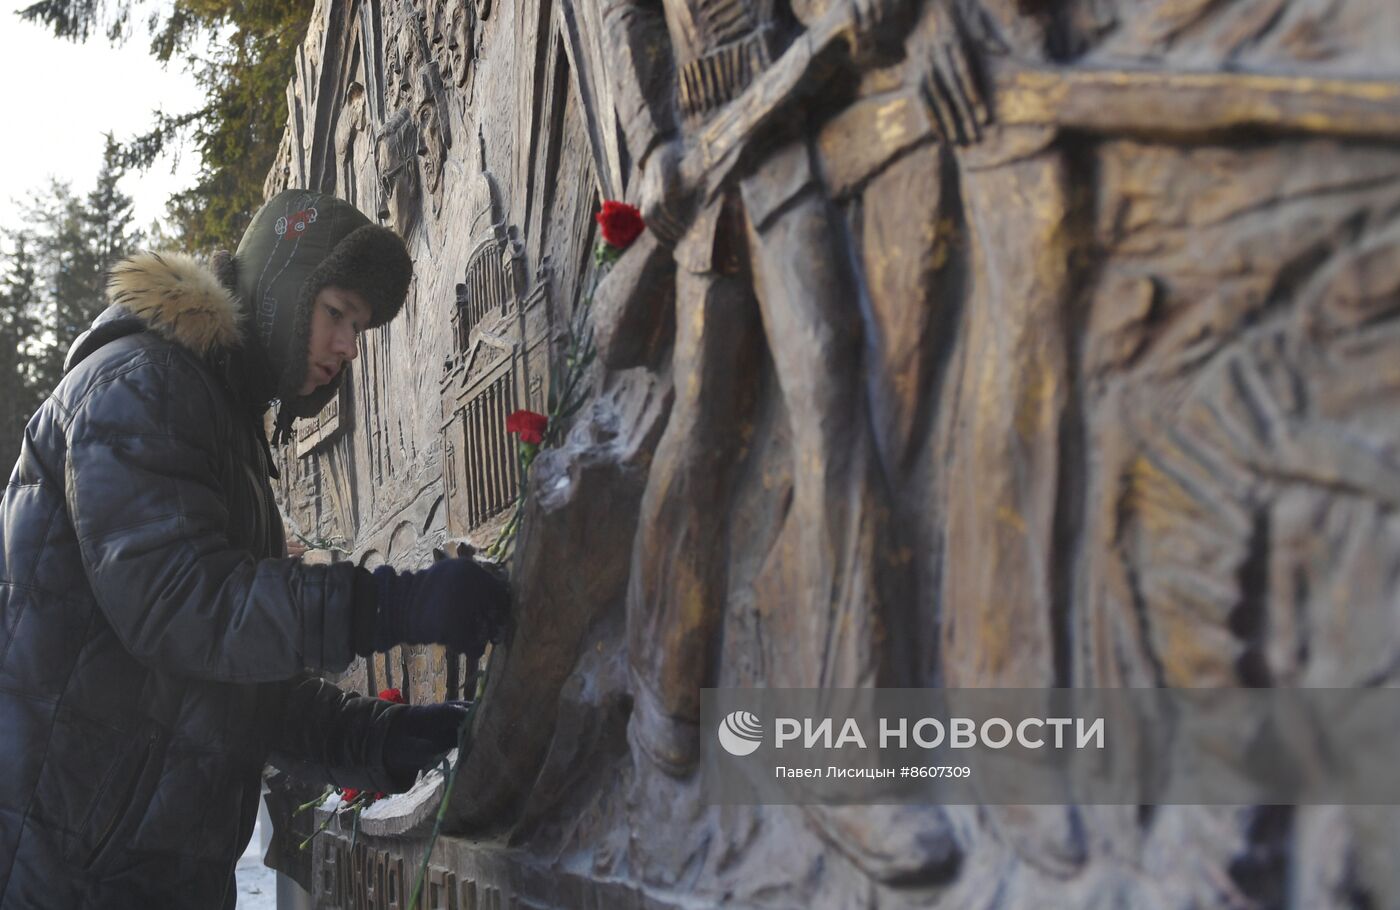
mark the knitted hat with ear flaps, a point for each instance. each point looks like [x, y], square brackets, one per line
[298, 243]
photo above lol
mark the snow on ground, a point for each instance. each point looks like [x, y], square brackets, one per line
[257, 884]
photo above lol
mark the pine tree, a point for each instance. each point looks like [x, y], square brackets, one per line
[75, 243]
[63, 262]
[53, 276]
[110, 214]
[242, 55]
[22, 386]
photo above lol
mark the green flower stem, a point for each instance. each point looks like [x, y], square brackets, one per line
[313, 802]
[463, 735]
[355, 805]
[330, 817]
[323, 543]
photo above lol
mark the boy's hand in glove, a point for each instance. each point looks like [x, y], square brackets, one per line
[454, 602]
[418, 736]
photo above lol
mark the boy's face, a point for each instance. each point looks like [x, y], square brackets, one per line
[338, 315]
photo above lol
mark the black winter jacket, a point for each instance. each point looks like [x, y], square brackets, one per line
[152, 643]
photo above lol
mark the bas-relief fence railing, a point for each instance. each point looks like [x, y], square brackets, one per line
[480, 487]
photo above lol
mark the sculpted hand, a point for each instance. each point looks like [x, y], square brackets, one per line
[454, 602]
[873, 15]
[665, 199]
[948, 82]
[877, 22]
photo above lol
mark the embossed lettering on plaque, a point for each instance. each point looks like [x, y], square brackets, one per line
[359, 877]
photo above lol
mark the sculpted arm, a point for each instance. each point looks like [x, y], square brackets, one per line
[639, 48]
[948, 80]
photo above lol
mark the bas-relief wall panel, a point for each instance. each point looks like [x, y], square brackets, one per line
[408, 109]
[1016, 345]
[412, 118]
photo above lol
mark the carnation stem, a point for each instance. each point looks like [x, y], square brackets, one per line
[312, 802]
[463, 734]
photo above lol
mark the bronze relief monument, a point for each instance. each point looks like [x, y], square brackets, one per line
[988, 343]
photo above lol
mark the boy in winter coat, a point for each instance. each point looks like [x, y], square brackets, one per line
[154, 638]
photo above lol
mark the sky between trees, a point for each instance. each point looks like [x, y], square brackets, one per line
[221, 102]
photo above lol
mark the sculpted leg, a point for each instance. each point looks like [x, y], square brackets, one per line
[676, 594]
[846, 583]
[1004, 573]
[812, 321]
[998, 627]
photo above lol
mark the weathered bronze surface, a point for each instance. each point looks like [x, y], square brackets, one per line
[975, 343]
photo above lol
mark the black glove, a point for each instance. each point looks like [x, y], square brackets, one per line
[418, 736]
[454, 602]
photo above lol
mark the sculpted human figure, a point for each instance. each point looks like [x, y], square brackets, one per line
[394, 64]
[1000, 575]
[764, 259]
[432, 140]
[406, 62]
[396, 160]
[348, 146]
[459, 49]
[433, 20]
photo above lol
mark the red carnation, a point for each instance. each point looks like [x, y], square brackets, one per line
[349, 794]
[528, 425]
[621, 223]
[394, 695]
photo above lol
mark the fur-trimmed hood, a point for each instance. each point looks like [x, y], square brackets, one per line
[178, 298]
[171, 294]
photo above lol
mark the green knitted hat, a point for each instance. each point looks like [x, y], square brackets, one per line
[298, 243]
